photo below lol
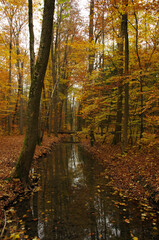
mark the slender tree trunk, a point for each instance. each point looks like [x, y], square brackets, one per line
[55, 57]
[60, 87]
[51, 103]
[21, 104]
[54, 79]
[126, 85]
[31, 42]
[20, 86]
[118, 126]
[63, 86]
[60, 115]
[91, 24]
[27, 152]
[142, 105]
[66, 112]
[20, 90]
[91, 57]
[10, 78]
[103, 43]
[15, 112]
[141, 80]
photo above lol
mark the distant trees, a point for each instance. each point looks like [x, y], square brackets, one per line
[13, 21]
[101, 75]
[124, 85]
[59, 84]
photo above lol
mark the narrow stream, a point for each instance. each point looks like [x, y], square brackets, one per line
[74, 202]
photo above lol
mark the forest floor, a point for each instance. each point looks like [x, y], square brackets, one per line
[10, 147]
[134, 175]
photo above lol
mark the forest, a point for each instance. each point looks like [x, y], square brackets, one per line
[83, 68]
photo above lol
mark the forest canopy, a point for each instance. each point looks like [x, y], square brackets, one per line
[102, 74]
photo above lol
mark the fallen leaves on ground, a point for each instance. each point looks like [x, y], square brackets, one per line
[10, 147]
[134, 174]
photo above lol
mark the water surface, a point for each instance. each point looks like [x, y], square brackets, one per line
[76, 203]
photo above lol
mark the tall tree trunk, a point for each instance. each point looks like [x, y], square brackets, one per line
[65, 111]
[53, 98]
[21, 100]
[91, 24]
[20, 86]
[55, 57]
[118, 126]
[126, 85]
[51, 103]
[59, 101]
[63, 86]
[10, 78]
[91, 57]
[31, 41]
[60, 115]
[15, 111]
[103, 44]
[27, 152]
[141, 80]
[54, 79]
[142, 105]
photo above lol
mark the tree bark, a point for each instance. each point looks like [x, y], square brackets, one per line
[55, 84]
[118, 126]
[31, 41]
[10, 78]
[141, 80]
[91, 57]
[126, 86]
[55, 58]
[20, 86]
[91, 24]
[27, 152]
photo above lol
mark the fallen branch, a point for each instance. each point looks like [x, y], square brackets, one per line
[5, 223]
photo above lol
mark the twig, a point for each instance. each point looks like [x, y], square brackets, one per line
[5, 223]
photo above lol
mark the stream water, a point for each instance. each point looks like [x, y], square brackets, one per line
[74, 202]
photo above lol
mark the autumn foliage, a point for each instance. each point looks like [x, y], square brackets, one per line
[119, 92]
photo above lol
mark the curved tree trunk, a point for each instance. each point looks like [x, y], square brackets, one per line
[27, 152]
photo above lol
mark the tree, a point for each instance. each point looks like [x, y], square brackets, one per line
[10, 12]
[27, 152]
[118, 126]
[91, 56]
[126, 85]
[31, 31]
[15, 14]
[65, 34]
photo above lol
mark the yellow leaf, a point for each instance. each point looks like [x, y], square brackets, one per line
[155, 228]
[15, 236]
[135, 238]
[127, 220]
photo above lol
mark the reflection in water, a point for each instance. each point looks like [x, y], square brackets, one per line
[75, 203]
